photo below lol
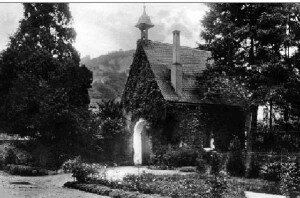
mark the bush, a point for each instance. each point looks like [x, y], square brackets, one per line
[17, 156]
[183, 156]
[45, 156]
[235, 165]
[188, 169]
[255, 167]
[25, 170]
[93, 188]
[106, 191]
[159, 167]
[201, 165]
[290, 179]
[69, 165]
[11, 157]
[218, 185]
[176, 186]
[215, 162]
[271, 171]
[157, 158]
[79, 169]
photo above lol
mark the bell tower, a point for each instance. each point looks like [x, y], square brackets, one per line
[144, 24]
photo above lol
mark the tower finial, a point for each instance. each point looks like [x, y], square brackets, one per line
[144, 24]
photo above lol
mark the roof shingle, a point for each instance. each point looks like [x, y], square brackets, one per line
[193, 62]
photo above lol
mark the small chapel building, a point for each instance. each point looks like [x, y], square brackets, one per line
[164, 103]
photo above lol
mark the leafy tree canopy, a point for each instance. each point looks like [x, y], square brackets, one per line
[252, 46]
[45, 91]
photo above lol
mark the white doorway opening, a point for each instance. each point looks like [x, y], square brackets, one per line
[139, 132]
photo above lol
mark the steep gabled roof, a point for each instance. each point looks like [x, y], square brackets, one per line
[193, 62]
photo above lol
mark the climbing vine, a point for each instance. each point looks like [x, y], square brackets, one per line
[142, 96]
[188, 123]
[175, 122]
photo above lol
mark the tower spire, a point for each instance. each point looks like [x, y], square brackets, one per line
[144, 23]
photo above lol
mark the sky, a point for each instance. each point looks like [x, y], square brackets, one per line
[106, 27]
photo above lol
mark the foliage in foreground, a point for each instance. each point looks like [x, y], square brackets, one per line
[192, 185]
[111, 131]
[106, 191]
[44, 90]
[235, 163]
[290, 179]
[80, 170]
[25, 170]
[178, 157]
[216, 184]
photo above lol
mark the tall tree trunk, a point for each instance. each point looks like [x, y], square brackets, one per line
[248, 122]
[271, 113]
[251, 53]
[286, 114]
[250, 126]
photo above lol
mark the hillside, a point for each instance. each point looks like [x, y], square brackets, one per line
[110, 73]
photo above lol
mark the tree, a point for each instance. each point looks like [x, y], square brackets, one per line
[111, 133]
[251, 46]
[111, 119]
[44, 90]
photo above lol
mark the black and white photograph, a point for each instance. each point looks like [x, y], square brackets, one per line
[150, 99]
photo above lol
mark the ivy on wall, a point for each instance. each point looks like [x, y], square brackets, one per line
[142, 96]
[184, 124]
[224, 122]
[196, 124]
[176, 122]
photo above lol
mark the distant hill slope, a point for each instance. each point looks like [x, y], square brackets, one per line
[110, 73]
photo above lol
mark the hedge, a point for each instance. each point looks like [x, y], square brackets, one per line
[106, 191]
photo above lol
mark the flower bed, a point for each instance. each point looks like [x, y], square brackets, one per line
[175, 186]
[106, 191]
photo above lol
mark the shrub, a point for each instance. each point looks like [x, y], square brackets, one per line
[201, 165]
[101, 190]
[45, 156]
[215, 162]
[188, 169]
[106, 191]
[2, 163]
[218, 185]
[290, 179]
[235, 165]
[69, 165]
[25, 170]
[79, 169]
[159, 167]
[271, 171]
[255, 167]
[10, 157]
[82, 171]
[18, 156]
[192, 185]
[182, 156]
[157, 158]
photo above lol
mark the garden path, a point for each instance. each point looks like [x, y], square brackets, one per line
[261, 195]
[12, 186]
[117, 173]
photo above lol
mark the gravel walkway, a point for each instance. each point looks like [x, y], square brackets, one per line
[261, 195]
[118, 173]
[39, 187]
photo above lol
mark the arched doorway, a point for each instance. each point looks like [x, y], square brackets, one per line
[141, 143]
